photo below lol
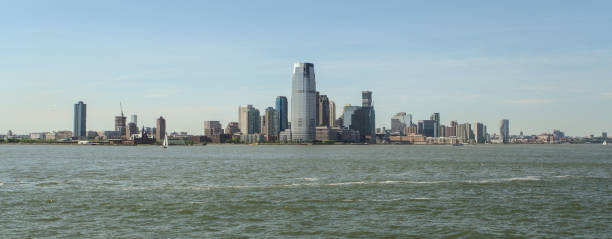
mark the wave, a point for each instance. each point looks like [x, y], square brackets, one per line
[308, 179]
[332, 184]
[344, 183]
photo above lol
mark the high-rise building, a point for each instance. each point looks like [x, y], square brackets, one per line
[323, 111]
[160, 130]
[347, 115]
[366, 98]
[436, 118]
[80, 120]
[250, 120]
[270, 126]
[317, 108]
[120, 124]
[232, 128]
[134, 119]
[332, 113]
[463, 132]
[303, 102]
[131, 129]
[604, 135]
[480, 133]
[282, 110]
[364, 119]
[361, 120]
[212, 127]
[399, 122]
[504, 130]
[428, 127]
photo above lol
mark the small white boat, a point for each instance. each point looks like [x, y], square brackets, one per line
[165, 143]
[605, 143]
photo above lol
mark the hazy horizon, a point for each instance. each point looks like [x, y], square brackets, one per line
[543, 65]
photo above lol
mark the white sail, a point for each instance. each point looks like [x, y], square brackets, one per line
[165, 143]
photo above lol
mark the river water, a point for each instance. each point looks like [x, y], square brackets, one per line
[372, 191]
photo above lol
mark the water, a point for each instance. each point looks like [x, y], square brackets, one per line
[370, 191]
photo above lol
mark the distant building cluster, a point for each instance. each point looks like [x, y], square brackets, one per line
[313, 119]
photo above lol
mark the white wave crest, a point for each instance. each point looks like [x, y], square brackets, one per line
[345, 183]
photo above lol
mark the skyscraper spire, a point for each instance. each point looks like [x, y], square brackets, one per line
[121, 107]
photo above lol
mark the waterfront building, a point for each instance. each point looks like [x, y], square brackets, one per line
[212, 127]
[38, 136]
[285, 136]
[325, 133]
[270, 124]
[323, 111]
[160, 130]
[504, 130]
[64, 134]
[252, 138]
[363, 118]
[450, 131]
[50, 136]
[92, 134]
[332, 113]
[419, 126]
[250, 120]
[131, 130]
[411, 130]
[427, 128]
[362, 121]
[442, 131]
[80, 120]
[464, 132]
[436, 121]
[480, 133]
[347, 135]
[282, 109]
[303, 102]
[232, 128]
[120, 125]
[399, 122]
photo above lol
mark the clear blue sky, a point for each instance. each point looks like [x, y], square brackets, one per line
[542, 64]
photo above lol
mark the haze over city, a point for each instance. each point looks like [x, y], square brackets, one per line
[542, 65]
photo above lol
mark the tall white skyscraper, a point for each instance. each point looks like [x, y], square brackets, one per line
[303, 102]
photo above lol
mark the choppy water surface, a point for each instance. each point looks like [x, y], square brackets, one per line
[306, 191]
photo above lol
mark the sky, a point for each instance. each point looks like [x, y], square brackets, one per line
[543, 65]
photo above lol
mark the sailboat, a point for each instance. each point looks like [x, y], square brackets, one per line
[605, 142]
[165, 143]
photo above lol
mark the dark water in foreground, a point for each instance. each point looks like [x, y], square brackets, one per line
[306, 191]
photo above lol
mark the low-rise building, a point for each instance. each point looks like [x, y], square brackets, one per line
[252, 138]
[326, 133]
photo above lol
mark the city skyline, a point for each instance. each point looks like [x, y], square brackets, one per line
[544, 70]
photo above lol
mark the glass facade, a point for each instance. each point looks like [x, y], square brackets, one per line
[80, 123]
[282, 110]
[303, 102]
